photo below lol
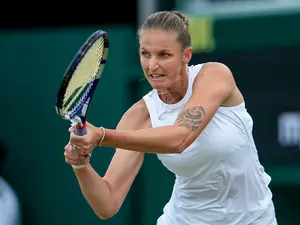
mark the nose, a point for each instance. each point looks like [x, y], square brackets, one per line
[153, 64]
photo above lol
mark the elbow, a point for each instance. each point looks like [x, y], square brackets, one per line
[179, 147]
[182, 142]
[105, 215]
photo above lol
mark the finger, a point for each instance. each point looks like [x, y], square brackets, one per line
[76, 156]
[76, 139]
[71, 148]
[68, 147]
[76, 162]
[82, 157]
[82, 152]
[80, 149]
[72, 159]
[71, 129]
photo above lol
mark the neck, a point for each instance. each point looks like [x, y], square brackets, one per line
[175, 93]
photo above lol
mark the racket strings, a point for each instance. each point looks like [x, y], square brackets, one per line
[84, 74]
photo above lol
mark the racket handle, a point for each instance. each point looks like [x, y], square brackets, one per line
[80, 130]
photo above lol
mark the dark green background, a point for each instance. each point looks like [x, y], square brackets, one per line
[32, 66]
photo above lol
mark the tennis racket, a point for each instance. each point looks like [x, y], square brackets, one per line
[80, 81]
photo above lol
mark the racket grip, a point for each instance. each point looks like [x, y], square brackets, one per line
[80, 130]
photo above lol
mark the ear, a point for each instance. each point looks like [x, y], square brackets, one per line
[187, 55]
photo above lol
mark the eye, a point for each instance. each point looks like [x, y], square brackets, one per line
[144, 53]
[164, 54]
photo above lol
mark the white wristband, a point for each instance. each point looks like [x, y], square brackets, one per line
[78, 166]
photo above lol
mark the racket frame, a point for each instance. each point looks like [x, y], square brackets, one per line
[76, 118]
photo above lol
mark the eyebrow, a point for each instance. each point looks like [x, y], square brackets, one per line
[163, 50]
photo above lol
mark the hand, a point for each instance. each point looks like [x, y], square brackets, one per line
[72, 157]
[85, 144]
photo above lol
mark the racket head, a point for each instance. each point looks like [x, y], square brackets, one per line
[81, 78]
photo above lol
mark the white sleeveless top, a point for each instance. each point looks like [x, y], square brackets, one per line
[219, 179]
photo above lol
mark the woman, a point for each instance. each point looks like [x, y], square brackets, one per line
[196, 122]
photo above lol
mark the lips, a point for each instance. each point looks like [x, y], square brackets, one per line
[157, 76]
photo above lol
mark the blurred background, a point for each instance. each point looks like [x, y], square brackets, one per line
[258, 39]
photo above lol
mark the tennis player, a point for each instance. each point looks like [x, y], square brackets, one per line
[196, 121]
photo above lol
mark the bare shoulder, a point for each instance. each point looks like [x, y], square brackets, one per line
[215, 82]
[136, 117]
[215, 74]
[219, 78]
[217, 69]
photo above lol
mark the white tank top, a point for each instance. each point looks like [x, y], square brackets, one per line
[219, 179]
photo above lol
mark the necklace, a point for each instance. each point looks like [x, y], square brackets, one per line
[177, 86]
[163, 93]
[173, 100]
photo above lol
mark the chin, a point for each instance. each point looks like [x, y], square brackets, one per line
[158, 85]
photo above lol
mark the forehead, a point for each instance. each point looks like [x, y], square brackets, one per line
[157, 38]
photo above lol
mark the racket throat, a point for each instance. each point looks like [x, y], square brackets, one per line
[77, 122]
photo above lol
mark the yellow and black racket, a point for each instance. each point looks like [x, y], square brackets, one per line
[80, 80]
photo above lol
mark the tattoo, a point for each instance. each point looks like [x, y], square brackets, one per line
[191, 118]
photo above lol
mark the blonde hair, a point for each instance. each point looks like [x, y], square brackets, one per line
[169, 21]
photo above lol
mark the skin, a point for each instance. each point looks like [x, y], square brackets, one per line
[160, 53]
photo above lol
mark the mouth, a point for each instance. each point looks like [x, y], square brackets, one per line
[157, 76]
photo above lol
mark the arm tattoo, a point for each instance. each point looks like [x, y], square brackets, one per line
[191, 118]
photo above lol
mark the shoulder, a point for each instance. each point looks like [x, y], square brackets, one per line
[138, 109]
[213, 73]
[209, 67]
[214, 81]
[217, 68]
[136, 117]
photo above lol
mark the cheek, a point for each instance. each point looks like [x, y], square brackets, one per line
[173, 66]
[144, 63]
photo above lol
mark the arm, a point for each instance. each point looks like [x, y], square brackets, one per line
[212, 86]
[106, 195]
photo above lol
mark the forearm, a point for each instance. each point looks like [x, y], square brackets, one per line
[167, 139]
[97, 192]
